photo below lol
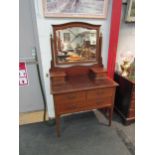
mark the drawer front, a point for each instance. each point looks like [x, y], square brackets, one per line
[99, 93]
[100, 97]
[99, 103]
[70, 97]
[70, 102]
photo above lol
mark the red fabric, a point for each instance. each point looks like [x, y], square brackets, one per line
[114, 33]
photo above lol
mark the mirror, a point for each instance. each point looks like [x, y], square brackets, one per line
[76, 44]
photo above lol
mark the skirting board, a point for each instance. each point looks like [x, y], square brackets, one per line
[31, 117]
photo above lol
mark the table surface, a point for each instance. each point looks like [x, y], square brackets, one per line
[79, 83]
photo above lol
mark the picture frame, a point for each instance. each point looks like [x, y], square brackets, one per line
[130, 12]
[75, 8]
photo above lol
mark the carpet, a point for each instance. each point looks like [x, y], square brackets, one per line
[81, 134]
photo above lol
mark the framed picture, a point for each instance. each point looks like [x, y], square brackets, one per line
[75, 8]
[130, 12]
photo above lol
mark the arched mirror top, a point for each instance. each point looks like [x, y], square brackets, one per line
[76, 43]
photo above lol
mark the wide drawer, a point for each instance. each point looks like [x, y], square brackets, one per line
[99, 103]
[71, 102]
[99, 93]
[69, 97]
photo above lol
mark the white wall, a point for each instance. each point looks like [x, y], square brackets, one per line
[126, 40]
[44, 31]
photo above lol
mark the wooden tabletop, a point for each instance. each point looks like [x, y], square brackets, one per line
[79, 83]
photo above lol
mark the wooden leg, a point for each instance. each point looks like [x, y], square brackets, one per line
[110, 115]
[58, 125]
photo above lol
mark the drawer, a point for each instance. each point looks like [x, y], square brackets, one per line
[99, 103]
[71, 102]
[99, 94]
[69, 97]
[131, 113]
[62, 108]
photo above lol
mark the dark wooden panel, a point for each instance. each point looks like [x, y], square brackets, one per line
[131, 113]
[133, 94]
[125, 98]
[132, 104]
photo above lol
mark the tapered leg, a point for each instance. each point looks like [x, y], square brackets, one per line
[110, 115]
[58, 125]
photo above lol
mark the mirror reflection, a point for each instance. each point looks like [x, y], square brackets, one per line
[76, 44]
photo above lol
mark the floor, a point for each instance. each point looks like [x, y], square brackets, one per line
[126, 133]
[81, 134]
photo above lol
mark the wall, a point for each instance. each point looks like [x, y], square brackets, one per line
[126, 40]
[44, 31]
[30, 97]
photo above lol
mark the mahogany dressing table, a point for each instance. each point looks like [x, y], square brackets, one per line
[79, 81]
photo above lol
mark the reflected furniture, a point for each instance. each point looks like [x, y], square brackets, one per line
[125, 98]
[79, 81]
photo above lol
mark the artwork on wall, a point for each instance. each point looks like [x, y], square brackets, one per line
[75, 8]
[130, 12]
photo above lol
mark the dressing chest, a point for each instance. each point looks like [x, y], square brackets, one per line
[79, 81]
